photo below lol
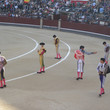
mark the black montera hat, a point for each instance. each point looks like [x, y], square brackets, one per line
[54, 36]
[104, 43]
[103, 59]
[81, 46]
[42, 43]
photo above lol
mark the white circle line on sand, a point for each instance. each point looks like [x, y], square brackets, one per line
[14, 58]
[13, 79]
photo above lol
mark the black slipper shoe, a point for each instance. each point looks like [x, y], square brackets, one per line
[39, 72]
[4, 86]
[77, 78]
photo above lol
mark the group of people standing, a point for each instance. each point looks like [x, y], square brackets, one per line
[102, 69]
[43, 50]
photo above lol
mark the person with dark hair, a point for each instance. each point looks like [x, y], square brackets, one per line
[106, 50]
[41, 53]
[81, 70]
[102, 70]
[56, 42]
[79, 57]
[84, 52]
[3, 62]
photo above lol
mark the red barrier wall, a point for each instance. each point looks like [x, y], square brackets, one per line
[50, 23]
[20, 20]
[64, 24]
[86, 27]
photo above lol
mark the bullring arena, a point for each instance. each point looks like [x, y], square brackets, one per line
[57, 89]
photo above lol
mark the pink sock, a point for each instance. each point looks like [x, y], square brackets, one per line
[101, 91]
[78, 74]
[81, 74]
[40, 70]
[1, 84]
[59, 56]
[106, 62]
[43, 68]
[4, 81]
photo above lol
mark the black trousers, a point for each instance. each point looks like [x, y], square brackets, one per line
[2, 74]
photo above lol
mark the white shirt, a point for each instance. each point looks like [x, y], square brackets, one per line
[1, 62]
[107, 45]
[101, 67]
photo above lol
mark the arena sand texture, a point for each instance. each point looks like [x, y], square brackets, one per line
[57, 89]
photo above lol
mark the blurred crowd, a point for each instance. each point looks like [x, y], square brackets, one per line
[92, 12]
[35, 8]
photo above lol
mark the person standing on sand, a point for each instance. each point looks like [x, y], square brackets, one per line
[41, 56]
[82, 62]
[102, 70]
[56, 42]
[107, 51]
[3, 62]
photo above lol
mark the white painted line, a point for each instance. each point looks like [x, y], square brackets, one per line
[36, 45]
[63, 58]
[60, 60]
[13, 79]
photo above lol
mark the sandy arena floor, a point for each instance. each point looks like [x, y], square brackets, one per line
[57, 89]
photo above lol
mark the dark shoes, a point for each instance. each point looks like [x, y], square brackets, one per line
[103, 93]
[58, 58]
[4, 85]
[79, 78]
[41, 72]
[100, 95]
